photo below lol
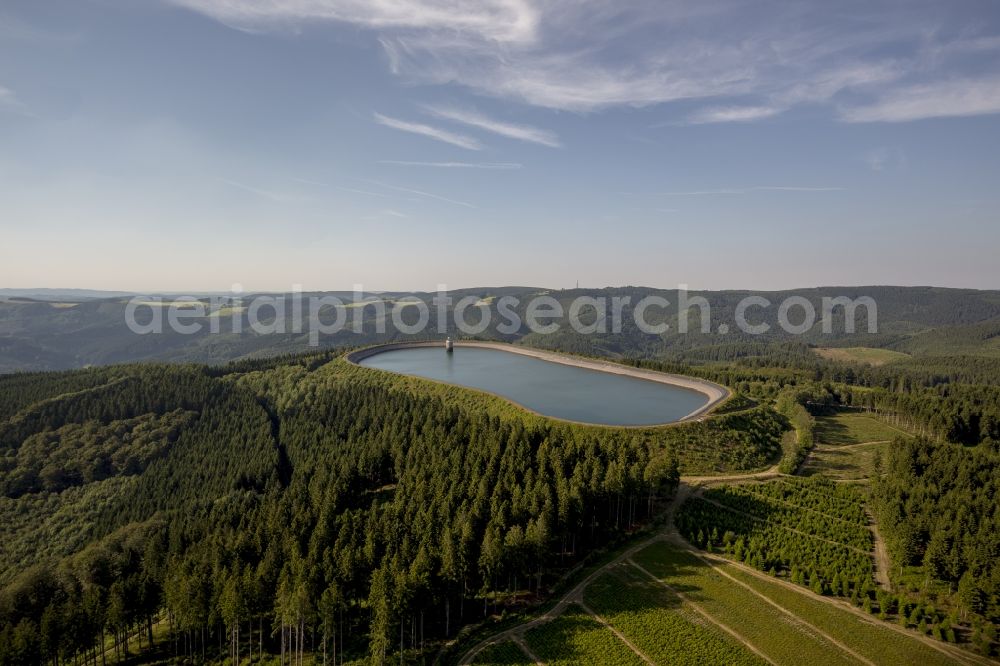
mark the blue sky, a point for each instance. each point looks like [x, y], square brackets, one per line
[401, 144]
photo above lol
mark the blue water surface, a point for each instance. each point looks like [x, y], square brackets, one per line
[552, 389]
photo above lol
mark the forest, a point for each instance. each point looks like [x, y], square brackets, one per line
[89, 329]
[306, 504]
[299, 504]
[938, 507]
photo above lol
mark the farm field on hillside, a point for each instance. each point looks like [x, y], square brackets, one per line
[659, 623]
[675, 607]
[809, 627]
[778, 635]
[867, 355]
[577, 638]
[870, 638]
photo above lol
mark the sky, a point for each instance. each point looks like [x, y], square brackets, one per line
[403, 144]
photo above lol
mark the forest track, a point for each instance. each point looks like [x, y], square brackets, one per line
[701, 611]
[882, 562]
[575, 595]
[689, 485]
[795, 618]
[880, 553]
[841, 447]
[763, 475]
[607, 625]
[827, 448]
[956, 653]
[519, 641]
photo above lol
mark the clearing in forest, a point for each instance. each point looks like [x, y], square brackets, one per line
[668, 604]
[789, 624]
[849, 428]
[659, 623]
[866, 355]
[847, 446]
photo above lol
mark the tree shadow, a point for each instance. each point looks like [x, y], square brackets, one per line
[833, 432]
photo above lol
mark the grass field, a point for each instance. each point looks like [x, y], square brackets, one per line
[869, 638]
[668, 605]
[577, 638]
[847, 445]
[361, 304]
[806, 627]
[658, 622]
[778, 635]
[227, 311]
[181, 305]
[382, 303]
[844, 463]
[848, 428]
[866, 355]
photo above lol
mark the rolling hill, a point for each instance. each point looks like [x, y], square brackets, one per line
[63, 331]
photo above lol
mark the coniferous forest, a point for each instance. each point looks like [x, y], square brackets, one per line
[306, 504]
[302, 505]
[494, 333]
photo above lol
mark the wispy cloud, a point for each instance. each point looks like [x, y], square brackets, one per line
[562, 81]
[387, 213]
[307, 181]
[870, 60]
[421, 193]
[369, 193]
[748, 190]
[700, 51]
[10, 102]
[7, 97]
[417, 194]
[877, 159]
[729, 114]
[276, 197]
[882, 159]
[344, 188]
[510, 130]
[279, 197]
[436, 133]
[496, 20]
[941, 99]
[455, 165]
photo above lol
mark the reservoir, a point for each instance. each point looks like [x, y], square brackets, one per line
[555, 389]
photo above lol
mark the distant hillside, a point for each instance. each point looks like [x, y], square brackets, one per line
[981, 338]
[60, 294]
[63, 328]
